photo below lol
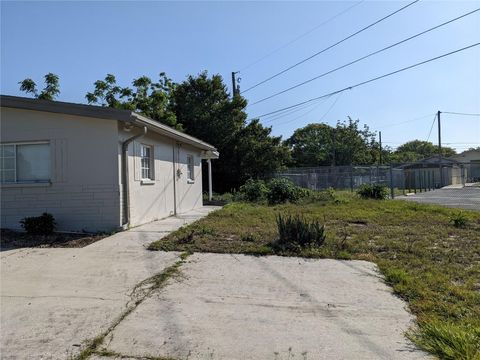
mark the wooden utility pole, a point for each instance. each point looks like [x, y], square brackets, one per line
[380, 141]
[234, 83]
[334, 146]
[440, 148]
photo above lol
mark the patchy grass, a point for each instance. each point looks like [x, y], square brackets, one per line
[429, 262]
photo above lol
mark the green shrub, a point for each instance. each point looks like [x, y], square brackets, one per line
[281, 190]
[296, 233]
[254, 190]
[39, 225]
[373, 191]
[459, 219]
[220, 199]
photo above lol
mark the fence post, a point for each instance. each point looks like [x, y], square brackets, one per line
[351, 178]
[414, 181]
[392, 194]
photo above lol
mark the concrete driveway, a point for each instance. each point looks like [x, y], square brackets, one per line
[467, 197]
[220, 307]
[245, 307]
[54, 299]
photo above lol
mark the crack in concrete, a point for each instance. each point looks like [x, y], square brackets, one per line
[140, 293]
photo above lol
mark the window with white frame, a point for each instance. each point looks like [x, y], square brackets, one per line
[190, 168]
[146, 162]
[25, 162]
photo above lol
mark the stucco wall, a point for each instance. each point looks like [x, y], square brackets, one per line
[84, 191]
[149, 202]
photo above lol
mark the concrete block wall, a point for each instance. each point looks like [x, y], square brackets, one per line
[75, 208]
[84, 192]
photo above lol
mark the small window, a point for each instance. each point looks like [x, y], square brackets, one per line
[25, 163]
[190, 168]
[146, 161]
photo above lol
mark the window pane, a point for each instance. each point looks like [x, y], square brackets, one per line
[8, 151]
[145, 162]
[190, 168]
[7, 176]
[33, 162]
[8, 164]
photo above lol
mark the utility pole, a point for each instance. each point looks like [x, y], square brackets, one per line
[334, 145]
[380, 141]
[234, 84]
[440, 148]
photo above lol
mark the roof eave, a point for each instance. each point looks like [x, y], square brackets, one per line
[165, 130]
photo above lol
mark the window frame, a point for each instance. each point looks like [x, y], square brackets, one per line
[150, 168]
[22, 143]
[190, 171]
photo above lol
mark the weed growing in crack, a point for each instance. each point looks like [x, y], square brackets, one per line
[140, 292]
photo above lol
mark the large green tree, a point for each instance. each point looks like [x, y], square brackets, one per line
[205, 109]
[49, 92]
[344, 144]
[417, 149]
[258, 153]
[147, 97]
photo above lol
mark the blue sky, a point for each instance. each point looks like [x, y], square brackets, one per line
[83, 41]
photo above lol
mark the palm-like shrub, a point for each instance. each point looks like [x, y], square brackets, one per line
[296, 233]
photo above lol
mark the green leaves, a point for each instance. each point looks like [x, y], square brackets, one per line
[149, 98]
[49, 92]
[203, 106]
[320, 144]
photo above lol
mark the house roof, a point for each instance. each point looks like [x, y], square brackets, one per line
[102, 112]
[430, 161]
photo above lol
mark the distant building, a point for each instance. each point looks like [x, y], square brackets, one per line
[471, 160]
[425, 173]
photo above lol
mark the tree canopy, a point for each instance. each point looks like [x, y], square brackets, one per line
[344, 144]
[205, 110]
[149, 98]
[49, 92]
[417, 149]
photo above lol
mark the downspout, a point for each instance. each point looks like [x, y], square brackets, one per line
[174, 180]
[125, 187]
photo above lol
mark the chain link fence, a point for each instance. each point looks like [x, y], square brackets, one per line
[400, 178]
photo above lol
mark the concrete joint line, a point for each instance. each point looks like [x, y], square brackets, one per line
[140, 293]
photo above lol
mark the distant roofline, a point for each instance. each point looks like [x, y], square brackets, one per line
[101, 112]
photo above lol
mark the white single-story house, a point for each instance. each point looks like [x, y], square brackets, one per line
[94, 168]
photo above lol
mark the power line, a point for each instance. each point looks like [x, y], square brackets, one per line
[456, 113]
[331, 107]
[330, 47]
[371, 80]
[302, 35]
[408, 121]
[274, 117]
[365, 57]
[298, 117]
[309, 111]
[431, 128]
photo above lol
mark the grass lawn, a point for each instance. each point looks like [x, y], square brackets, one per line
[429, 262]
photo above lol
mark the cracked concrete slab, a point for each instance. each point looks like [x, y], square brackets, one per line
[53, 299]
[244, 307]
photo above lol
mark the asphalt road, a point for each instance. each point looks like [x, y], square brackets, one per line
[464, 198]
